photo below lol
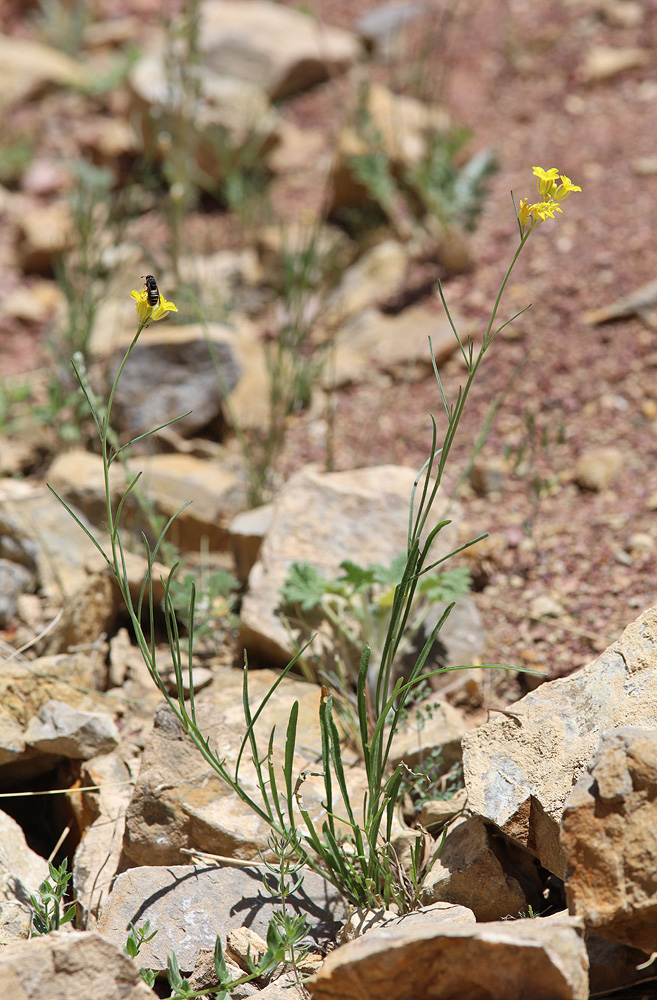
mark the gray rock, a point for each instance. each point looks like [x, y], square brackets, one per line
[377, 26]
[61, 729]
[14, 579]
[509, 960]
[190, 906]
[276, 47]
[70, 965]
[518, 776]
[609, 837]
[173, 370]
[21, 873]
[324, 518]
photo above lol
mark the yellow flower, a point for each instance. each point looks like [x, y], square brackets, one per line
[146, 313]
[545, 179]
[552, 193]
[524, 213]
[565, 189]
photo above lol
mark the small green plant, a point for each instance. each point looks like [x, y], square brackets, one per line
[47, 909]
[358, 607]
[215, 600]
[351, 845]
[286, 878]
[136, 938]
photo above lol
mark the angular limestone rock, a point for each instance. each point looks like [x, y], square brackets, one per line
[609, 837]
[509, 960]
[324, 518]
[60, 729]
[518, 776]
[280, 49]
[21, 873]
[70, 965]
[190, 906]
[481, 871]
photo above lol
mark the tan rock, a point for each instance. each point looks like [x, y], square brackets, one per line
[27, 68]
[437, 812]
[70, 966]
[21, 873]
[46, 230]
[280, 49]
[87, 618]
[324, 518]
[518, 776]
[398, 126]
[602, 62]
[397, 345]
[470, 871]
[609, 837]
[377, 274]
[432, 727]
[597, 468]
[170, 481]
[509, 960]
[246, 532]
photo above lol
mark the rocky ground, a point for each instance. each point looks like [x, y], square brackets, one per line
[565, 483]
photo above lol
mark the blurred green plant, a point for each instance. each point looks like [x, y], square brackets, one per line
[61, 23]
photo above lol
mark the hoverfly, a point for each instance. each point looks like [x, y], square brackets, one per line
[152, 291]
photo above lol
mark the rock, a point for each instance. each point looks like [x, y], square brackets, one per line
[197, 809]
[325, 518]
[14, 579]
[602, 62]
[27, 69]
[397, 345]
[87, 618]
[45, 232]
[488, 475]
[98, 855]
[398, 127]
[246, 532]
[25, 689]
[170, 481]
[509, 960]
[436, 812]
[461, 641]
[518, 776]
[205, 977]
[61, 729]
[70, 965]
[276, 47]
[609, 838]
[232, 276]
[21, 873]
[229, 112]
[171, 371]
[243, 944]
[432, 728]
[598, 467]
[379, 273]
[190, 906]
[36, 521]
[379, 26]
[78, 477]
[623, 13]
[477, 869]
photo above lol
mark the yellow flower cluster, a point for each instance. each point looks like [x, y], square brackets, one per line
[145, 312]
[553, 188]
